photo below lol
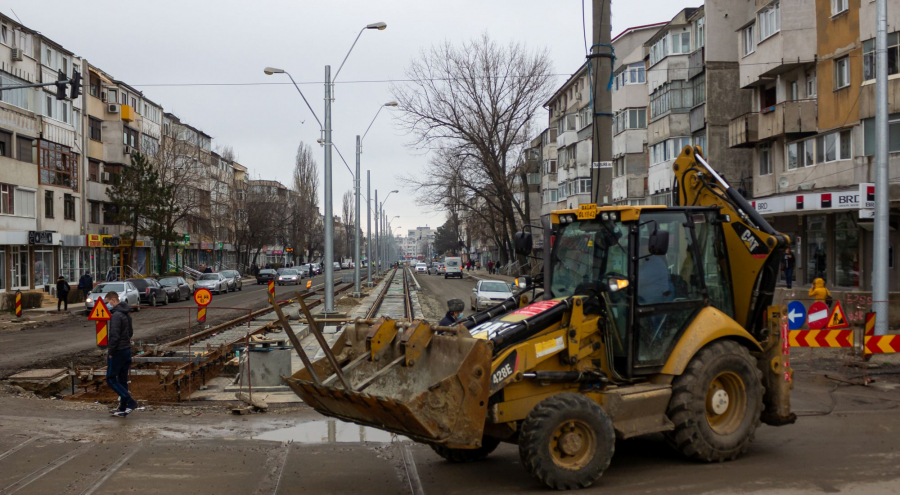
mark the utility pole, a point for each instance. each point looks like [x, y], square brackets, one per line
[600, 65]
[329, 214]
[882, 198]
[377, 239]
[368, 228]
[357, 227]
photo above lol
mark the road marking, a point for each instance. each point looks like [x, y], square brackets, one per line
[17, 448]
[415, 484]
[112, 470]
[287, 450]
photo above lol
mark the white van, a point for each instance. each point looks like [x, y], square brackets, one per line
[453, 267]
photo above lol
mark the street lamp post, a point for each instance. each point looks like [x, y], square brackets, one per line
[379, 220]
[359, 140]
[326, 130]
[369, 228]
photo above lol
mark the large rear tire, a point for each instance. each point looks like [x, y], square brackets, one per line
[488, 445]
[716, 403]
[567, 441]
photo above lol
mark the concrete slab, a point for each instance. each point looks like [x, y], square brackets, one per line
[210, 466]
[82, 472]
[31, 457]
[342, 469]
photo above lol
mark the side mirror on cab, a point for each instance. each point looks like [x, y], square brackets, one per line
[523, 243]
[658, 243]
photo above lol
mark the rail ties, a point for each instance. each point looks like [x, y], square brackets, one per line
[394, 300]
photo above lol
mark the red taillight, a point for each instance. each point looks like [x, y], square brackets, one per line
[148, 290]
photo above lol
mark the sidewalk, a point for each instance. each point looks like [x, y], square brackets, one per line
[484, 275]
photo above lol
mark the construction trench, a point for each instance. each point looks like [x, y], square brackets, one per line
[174, 371]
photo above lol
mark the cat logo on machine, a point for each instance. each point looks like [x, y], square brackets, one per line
[753, 243]
[505, 372]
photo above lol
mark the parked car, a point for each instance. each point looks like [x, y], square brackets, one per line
[421, 268]
[176, 288]
[126, 291]
[278, 271]
[288, 276]
[441, 269]
[215, 282]
[337, 266]
[266, 275]
[150, 291]
[453, 267]
[489, 293]
[345, 265]
[234, 280]
[304, 270]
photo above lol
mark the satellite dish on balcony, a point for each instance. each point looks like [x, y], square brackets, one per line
[783, 182]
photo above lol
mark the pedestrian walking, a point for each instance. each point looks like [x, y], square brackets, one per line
[490, 266]
[62, 293]
[455, 308]
[86, 285]
[118, 359]
[208, 269]
[787, 266]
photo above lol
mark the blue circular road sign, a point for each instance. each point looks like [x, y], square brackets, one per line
[796, 315]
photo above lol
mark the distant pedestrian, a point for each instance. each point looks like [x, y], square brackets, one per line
[268, 266]
[62, 293]
[819, 292]
[208, 270]
[119, 353]
[86, 284]
[455, 308]
[490, 266]
[787, 266]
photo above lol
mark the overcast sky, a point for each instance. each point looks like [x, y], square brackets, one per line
[164, 42]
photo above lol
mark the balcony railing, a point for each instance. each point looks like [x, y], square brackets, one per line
[742, 131]
[788, 118]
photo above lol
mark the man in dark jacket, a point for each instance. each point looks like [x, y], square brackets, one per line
[86, 284]
[119, 353]
[62, 293]
[787, 266]
[455, 308]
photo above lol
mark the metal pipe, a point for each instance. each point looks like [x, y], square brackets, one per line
[357, 226]
[329, 213]
[882, 199]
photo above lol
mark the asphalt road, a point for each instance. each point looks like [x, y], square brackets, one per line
[73, 338]
[436, 291]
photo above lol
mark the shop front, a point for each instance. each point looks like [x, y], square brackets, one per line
[831, 234]
[15, 261]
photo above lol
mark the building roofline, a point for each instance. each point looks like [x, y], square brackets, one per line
[688, 12]
[571, 78]
[638, 28]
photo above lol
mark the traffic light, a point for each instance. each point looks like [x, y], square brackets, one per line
[75, 89]
[61, 85]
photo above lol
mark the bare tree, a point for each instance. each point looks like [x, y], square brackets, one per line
[347, 219]
[472, 103]
[306, 229]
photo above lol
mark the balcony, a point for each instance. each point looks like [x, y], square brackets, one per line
[795, 117]
[742, 131]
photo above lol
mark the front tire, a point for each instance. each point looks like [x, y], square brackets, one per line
[716, 403]
[567, 441]
[459, 456]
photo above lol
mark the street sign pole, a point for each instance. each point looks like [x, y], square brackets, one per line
[368, 228]
[356, 226]
[880, 255]
[329, 207]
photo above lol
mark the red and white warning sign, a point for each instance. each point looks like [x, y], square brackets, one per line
[818, 316]
[535, 308]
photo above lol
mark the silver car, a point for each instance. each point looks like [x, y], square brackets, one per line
[489, 293]
[126, 291]
[288, 276]
[215, 282]
[234, 279]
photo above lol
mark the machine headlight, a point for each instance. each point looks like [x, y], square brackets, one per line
[604, 216]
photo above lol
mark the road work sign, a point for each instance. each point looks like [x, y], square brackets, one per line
[821, 338]
[100, 314]
[870, 324]
[838, 319]
[796, 315]
[271, 289]
[818, 316]
[882, 344]
[203, 297]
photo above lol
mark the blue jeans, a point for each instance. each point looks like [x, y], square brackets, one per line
[117, 365]
[789, 276]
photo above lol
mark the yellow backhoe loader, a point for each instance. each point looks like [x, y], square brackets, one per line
[646, 319]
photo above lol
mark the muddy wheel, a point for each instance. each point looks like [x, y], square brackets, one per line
[716, 403]
[488, 445]
[567, 441]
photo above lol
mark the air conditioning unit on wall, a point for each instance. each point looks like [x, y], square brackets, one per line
[112, 108]
[128, 150]
[104, 177]
[17, 54]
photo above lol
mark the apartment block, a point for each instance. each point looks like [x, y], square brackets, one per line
[570, 114]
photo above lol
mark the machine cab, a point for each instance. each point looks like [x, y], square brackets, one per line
[652, 269]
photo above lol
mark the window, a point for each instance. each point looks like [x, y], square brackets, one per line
[631, 118]
[48, 204]
[674, 95]
[93, 170]
[749, 40]
[4, 33]
[846, 250]
[68, 207]
[134, 104]
[699, 83]
[769, 20]
[17, 97]
[680, 43]
[659, 50]
[584, 186]
[94, 86]
[893, 134]
[811, 84]
[765, 159]
[838, 6]
[619, 167]
[893, 56]
[533, 178]
[794, 89]
[48, 106]
[809, 152]
[130, 137]
[58, 165]
[123, 98]
[832, 147]
[110, 212]
[668, 149]
[844, 145]
[7, 195]
[95, 212]
[95, 125]
[6, 143]
[549, 166]
[111, 95]
[699, 29]
[794, 155]
[816, 254]
[842, 72]
[700, 140]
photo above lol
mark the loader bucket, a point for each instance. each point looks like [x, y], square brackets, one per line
[405, 379]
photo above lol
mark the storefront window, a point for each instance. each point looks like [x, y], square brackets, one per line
[19, 269]
[85, 264]
[68, 265]
[846, 251]
[43, 268]
[3, 286]
[816, 254]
